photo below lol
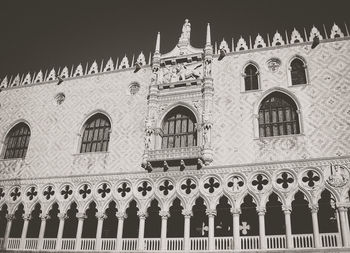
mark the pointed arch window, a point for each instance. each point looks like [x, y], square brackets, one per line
[251, 79]
[278, 116]
[298, 72]
[17, 141]
[95, 137]
[178, 129]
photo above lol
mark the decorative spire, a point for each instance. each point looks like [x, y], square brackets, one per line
[157, 51]
[208, 40]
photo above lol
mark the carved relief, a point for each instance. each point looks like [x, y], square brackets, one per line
[339, 175]
[179, 72]
[273, 64]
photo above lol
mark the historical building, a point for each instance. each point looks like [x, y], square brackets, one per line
[222, 148]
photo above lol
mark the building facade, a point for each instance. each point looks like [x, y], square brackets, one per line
[221, 148]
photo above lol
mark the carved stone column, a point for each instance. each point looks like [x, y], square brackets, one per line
[100, 218]
[287, 211]
[121, 216]
[61, 217]
[43, 217]
[262, 235]
[187, 218]
[211, 216]
[9, 218]
[163, 242]
[26, 218]
[81, 217]
[344, 226]
[317, 241]
[236, 237]
[142, 216]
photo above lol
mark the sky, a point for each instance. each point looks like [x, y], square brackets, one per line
[41, 34]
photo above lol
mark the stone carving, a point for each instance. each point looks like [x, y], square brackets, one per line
[186, 31]
[60, 97]
[273, 64]
[148, 137]
[296, 37]
[339, 175]
[336, 32]
[206, 135]
[241, 44]
[179, 72]
[207, 68]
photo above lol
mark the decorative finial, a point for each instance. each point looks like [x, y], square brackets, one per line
[157, 51]
[208, 40]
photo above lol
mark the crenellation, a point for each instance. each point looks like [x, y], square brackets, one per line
[259, 43]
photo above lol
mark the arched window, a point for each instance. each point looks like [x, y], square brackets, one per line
[251, 77]
[95, 137]
[17, 141]
[179, 129]
[297, 72]
[278, 116]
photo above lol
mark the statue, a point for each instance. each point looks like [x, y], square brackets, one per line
[186, 31]
[207, 68]
[339, 176]
[148, 138]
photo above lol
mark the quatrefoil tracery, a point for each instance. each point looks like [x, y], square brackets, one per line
[260, 182]
[31, 193]
[124, 189]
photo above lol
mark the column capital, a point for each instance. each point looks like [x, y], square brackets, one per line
[121, 215]
[142, 214]
[210, 212]
[342, 208]
[235, 210]
[26, 216]
[187, 213]
[44, 216]
[164, 214]
[10, 216]
[313, 208]
[100, 216]
[286, 209]
[62, 216]
[261, 211]
[81, 216]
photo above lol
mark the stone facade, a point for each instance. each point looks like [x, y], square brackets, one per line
[231, 158]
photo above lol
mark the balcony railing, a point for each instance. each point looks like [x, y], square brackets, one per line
[222, 244]
[174, 153]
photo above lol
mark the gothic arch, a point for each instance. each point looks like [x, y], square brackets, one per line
[175, 105]
[82, 126]
[168, 203]
[266, 197]
[192, 202]
[216, 201]
[8, 130]
[45, 210]
[161, 202]
[256, 65]
[87, 204]
[307, 195]
[106, 204]
[13, 209]
[257, 104]
[240, 200]
[299, 57]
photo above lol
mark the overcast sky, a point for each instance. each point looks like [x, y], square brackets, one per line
[43, 34]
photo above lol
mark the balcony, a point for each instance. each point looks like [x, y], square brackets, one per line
[196, 244]
[174, 154]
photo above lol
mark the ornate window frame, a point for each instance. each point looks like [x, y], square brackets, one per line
[158, 139]
[82, 128]
[243, 77]
[6, 135]
[289, 73]
[257, 107]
